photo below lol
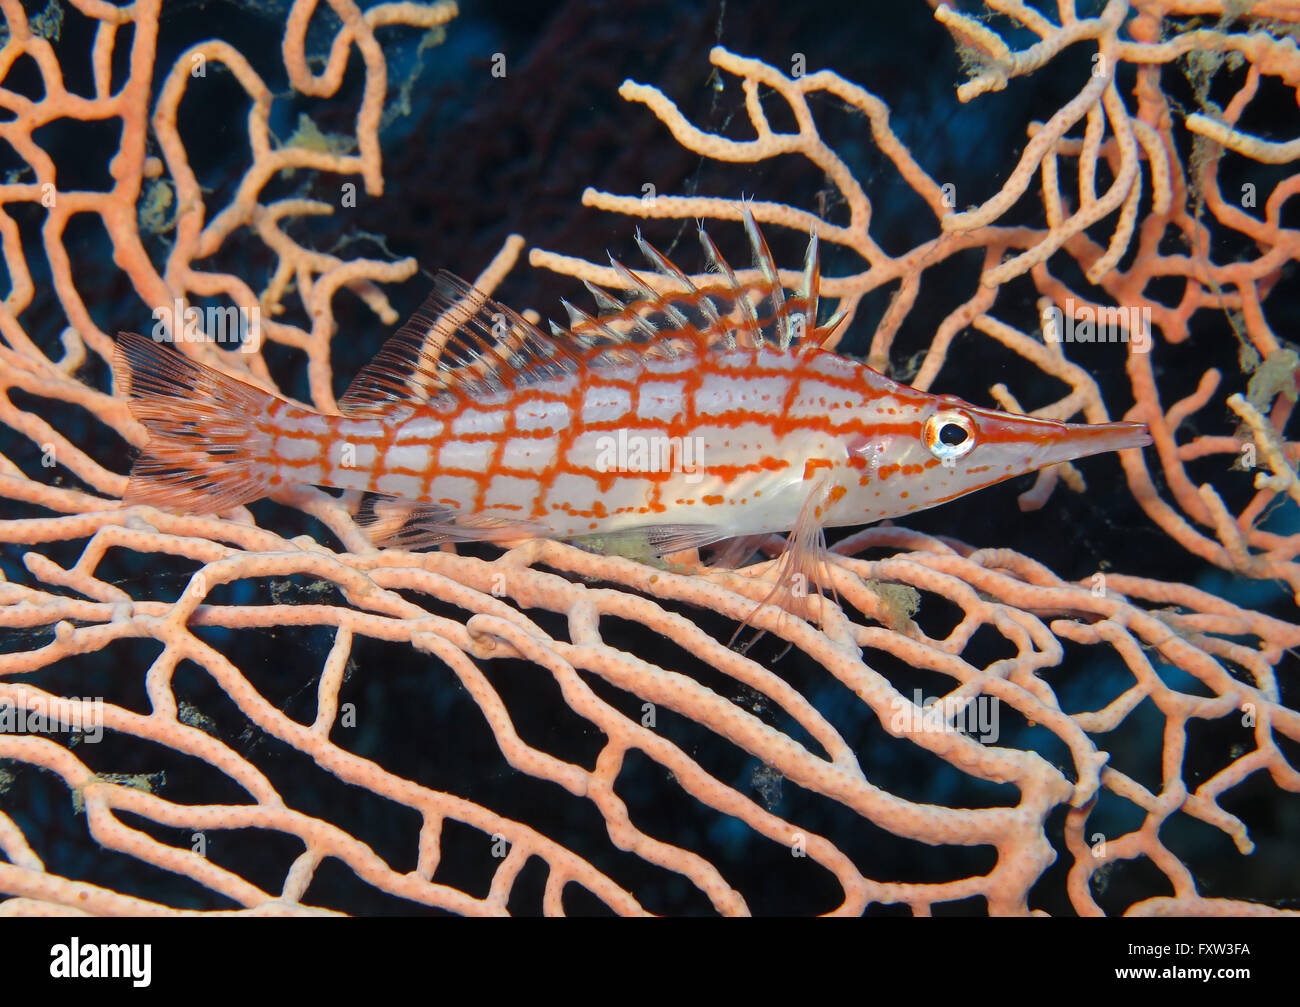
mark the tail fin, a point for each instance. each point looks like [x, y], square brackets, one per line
[205, 452]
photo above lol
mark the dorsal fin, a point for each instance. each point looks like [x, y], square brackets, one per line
[722, 315]
[462, 340]
[748, 319]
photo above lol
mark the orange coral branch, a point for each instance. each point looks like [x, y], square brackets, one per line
[997, 628]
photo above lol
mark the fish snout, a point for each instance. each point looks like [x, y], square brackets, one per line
[1048, 442]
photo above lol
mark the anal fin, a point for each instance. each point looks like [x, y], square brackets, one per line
[651, 542]
[415, 524]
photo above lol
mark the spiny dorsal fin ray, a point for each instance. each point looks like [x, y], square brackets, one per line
[764, 264]
[604, 301]
[666, 268]
[645, 295]
[748, 320]
[461, 340]
[802, 307]
[721, 315]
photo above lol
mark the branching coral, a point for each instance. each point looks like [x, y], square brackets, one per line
[842, 727]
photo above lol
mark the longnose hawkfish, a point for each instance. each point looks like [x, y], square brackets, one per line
[686, 414]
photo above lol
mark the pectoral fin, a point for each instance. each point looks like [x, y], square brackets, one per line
[735, 552]
[802, 572]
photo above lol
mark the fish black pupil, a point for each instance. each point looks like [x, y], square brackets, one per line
[951, 434]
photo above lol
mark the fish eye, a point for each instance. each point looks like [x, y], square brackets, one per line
[949, 434]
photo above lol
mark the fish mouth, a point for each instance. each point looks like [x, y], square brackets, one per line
[1050, 442]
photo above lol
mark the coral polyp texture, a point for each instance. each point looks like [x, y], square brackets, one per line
[275, 717]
